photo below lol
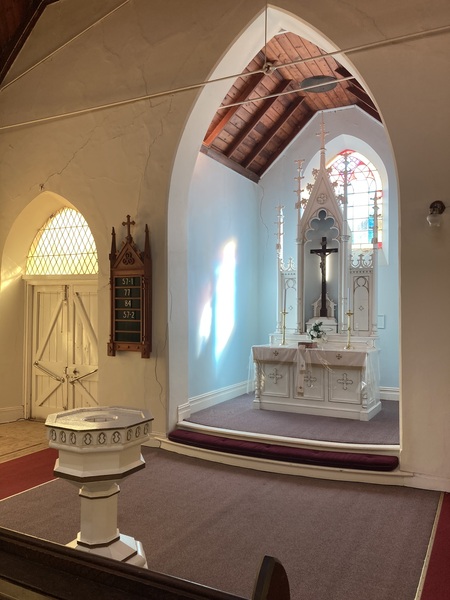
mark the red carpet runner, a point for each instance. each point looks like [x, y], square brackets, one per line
[437, 580]
[23, 473]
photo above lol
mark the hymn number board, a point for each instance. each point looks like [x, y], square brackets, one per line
[127, 306]
[130, 296]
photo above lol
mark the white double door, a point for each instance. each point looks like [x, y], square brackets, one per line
[64, 348]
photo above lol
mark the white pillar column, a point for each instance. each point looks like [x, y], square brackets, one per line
[300, 205]
[344, 306]
[280, 277]
[374, 290]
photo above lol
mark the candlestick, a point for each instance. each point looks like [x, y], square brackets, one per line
[349, 315]
[283, 327]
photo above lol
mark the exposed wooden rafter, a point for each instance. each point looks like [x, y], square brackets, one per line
[252, 82]
[265, 106]
[272, 132]
[253, 133]
[18, 17]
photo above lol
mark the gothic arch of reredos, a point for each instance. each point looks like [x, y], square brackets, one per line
[234, 61]
[13, 266]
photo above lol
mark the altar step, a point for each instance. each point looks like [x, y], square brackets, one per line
[383, 459]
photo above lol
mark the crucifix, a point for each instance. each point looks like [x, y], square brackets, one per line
[323, 253]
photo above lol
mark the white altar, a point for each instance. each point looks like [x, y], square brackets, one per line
[329, 293]
[328, 381]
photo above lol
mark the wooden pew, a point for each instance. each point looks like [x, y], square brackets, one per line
[272, 581]
[35, 569]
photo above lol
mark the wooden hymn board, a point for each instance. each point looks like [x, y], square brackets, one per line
[131, 295]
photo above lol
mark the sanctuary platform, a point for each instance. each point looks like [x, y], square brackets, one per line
[329, 381]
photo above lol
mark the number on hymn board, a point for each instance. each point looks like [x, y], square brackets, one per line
[128, 314]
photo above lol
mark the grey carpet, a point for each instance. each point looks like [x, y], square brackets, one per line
[212, 523]
[240, 415]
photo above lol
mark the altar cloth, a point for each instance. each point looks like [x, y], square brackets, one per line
[327, 380]
[322, 356]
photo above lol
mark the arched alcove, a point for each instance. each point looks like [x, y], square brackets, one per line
[14, 318]
[237, 57]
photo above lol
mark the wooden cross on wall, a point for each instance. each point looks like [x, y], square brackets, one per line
[323, 252]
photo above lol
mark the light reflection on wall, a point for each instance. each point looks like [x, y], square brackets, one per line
[225, 298]
[10, 274]
[329, 268]
[217, 314]
[205, 324]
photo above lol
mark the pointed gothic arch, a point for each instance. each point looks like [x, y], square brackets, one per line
[237, 57]
[64, 245]
[14, 293]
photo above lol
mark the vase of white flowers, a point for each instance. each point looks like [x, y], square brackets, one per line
[316, 332]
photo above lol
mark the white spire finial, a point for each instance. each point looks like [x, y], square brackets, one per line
[322, 134]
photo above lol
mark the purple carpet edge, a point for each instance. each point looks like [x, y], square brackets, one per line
[323, 458]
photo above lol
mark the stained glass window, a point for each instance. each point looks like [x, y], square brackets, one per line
[364, 186]
[63, 246]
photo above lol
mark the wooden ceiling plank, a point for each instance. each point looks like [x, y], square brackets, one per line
[276, 54]
[289, 139]
[269, 85]
[257, 133]
[300, 71]
[245, 93]
[251, 157]
[266, 104]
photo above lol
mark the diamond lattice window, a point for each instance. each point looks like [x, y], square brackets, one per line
[63, 246]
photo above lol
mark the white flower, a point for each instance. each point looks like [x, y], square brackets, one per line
[316, 331]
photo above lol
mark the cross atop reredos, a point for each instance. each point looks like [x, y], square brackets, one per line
[128, 224]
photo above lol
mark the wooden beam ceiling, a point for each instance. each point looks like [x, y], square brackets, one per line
[268, 110]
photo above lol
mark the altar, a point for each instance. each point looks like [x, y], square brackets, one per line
[322, 357]
[329, 381]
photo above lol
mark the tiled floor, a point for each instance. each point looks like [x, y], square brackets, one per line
[20, 438]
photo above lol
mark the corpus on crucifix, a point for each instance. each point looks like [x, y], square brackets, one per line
[323, 252]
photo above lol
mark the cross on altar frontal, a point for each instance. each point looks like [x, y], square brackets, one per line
[323, 252]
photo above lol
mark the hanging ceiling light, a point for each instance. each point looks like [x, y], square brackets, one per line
[318, 84]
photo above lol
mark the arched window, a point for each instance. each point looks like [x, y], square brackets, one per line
[63, 246]
[358, 179]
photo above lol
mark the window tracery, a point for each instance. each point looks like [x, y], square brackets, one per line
[358, 180]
